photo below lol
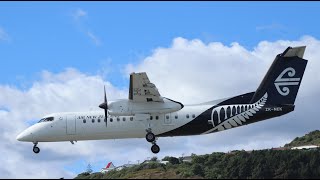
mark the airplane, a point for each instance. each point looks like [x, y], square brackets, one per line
[146, 114]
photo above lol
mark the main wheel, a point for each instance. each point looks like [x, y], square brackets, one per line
[36, 149]
[155, 148]
[150, 137]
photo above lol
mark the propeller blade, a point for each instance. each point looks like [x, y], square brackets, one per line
[105, 116]
[105, 97]
[104, 105]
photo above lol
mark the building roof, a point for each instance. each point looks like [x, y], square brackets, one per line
[110, 166]
[305, 147]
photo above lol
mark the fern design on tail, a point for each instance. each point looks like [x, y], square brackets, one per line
[238, 119]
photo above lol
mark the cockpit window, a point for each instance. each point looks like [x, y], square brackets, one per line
[46, 119]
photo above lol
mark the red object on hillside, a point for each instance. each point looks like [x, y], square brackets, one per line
[108, 165]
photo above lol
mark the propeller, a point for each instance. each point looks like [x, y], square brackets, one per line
[104, 105]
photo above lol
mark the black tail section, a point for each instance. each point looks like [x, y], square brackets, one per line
[283, 78]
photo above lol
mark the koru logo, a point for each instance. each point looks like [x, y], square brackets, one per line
[284, 82]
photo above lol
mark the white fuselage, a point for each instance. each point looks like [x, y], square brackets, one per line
[76, 126]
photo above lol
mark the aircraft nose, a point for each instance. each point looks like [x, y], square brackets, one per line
[25, 136]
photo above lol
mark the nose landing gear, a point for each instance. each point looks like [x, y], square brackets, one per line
[35, 148]
[150, 137]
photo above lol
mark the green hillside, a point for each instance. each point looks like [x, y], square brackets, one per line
[238, 164]
[308, 139]
[255, 164]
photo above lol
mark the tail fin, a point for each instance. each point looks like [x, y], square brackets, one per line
[283, 78]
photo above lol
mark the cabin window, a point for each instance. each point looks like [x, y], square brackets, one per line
[228, 112]
[242, 109]
[124, 119]
[215, 118]
[193, 115]
[111, 120]
[98, 120]
[222, 114]
[234, 110]
[176, 116]
[149, 99]
[187, 115]
[151, 117]
[84, 121]
[157, 117]
[238, 110]
[92, 120]
[245, 107]
[118, 119]
[131, 118]
[167, 116]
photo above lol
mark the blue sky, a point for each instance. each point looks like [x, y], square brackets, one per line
[48, 36]
[103, 37]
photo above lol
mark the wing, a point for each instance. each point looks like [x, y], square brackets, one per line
[142, 90]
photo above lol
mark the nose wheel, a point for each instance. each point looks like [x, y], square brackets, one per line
[36, 149]
[150, 137]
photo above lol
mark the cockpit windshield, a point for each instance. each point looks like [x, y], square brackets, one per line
[46, 119]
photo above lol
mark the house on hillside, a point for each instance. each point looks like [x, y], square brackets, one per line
[164, 162]
[124, 166]
[187, 159]
[280, 148]
[109, 167]
[307, 147]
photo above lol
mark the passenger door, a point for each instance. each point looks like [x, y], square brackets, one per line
[71, 124]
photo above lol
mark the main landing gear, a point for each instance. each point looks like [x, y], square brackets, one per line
[35, 148]
[150, 137]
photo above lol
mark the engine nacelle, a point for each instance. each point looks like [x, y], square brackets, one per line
[130, 108]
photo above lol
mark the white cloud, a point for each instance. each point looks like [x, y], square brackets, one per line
[94, 38]
[79, 13]
[66, 91]
[4, 36]
[189, 71]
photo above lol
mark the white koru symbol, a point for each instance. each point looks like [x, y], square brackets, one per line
[280, 81]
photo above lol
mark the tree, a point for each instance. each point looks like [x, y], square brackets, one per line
[198, 159]
[166, 158]
[197, 169]
[154, 159]
[174, 160]
[89, 168]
